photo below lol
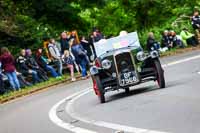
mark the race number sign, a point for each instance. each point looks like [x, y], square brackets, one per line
[104, 45]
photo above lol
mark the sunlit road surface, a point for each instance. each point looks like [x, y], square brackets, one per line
[75, 108]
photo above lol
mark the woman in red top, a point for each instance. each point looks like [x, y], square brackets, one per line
[8, 66]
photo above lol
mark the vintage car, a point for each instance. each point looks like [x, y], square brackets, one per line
[122, 63]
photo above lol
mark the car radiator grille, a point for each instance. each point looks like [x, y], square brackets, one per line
[124, 63]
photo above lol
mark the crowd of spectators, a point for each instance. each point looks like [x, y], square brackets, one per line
[29, 68]
[170, 39]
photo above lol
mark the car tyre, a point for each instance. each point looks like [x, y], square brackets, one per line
[101, 94]
[159, 74]
[127, 90]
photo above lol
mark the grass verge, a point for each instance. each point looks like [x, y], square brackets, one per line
[32, 89]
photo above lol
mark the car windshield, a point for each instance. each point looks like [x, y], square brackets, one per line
[105, 45]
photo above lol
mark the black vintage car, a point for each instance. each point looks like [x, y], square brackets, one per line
[122, 63]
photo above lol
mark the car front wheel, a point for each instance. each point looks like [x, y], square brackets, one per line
[101, 93]
[127, 90]
[159, 74]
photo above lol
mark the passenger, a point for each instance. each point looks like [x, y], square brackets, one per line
[69, 62]
[43, 63]
[8, 65]
[24, 69]
[54, 51]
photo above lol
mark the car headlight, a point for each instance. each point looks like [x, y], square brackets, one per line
[154, 54]
[106, 64]
[141, 56]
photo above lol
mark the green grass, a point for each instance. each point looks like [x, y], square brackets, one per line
[28, 90]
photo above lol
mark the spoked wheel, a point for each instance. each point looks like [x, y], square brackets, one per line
[159, 74]
[101, 93]
[127, 90]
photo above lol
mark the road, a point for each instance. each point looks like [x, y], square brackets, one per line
[69, 108]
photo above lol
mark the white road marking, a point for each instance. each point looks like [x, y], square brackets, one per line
[109, 125]
[55, 119]
[181, 61]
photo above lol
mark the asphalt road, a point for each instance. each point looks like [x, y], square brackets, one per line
[147, 109]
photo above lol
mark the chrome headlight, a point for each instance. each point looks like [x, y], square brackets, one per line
[154, 54]
[106, 64]
[141, 56]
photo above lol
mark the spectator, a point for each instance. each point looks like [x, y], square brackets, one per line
[2, 89]
[188, 38]
[45, 46]
[196, 20]
[8, 66]
[24, 69]
[152, 44]
[64, 41]
[196, 25]
[23, 83]
[54, 51]
[43, 63]
[91, 42]
[86, 45]
[96, 36]
[165, 42]
[175, 41]
[32, 64]
[80, 57]
[69, 61]
[74, 35]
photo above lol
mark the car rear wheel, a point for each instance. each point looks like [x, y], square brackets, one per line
[159, 74]
[101, 93]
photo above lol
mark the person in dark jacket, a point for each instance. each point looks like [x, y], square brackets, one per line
[86, 46]
[32, 64]
[24, 69]
[80, 57]
[174, 40]
[64, 42]
[165, 41]
[2, 89]
[8, 65]
[196, 20]
[152, 44]
[43, 63]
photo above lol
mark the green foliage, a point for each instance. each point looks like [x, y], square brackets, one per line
[24, 23]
